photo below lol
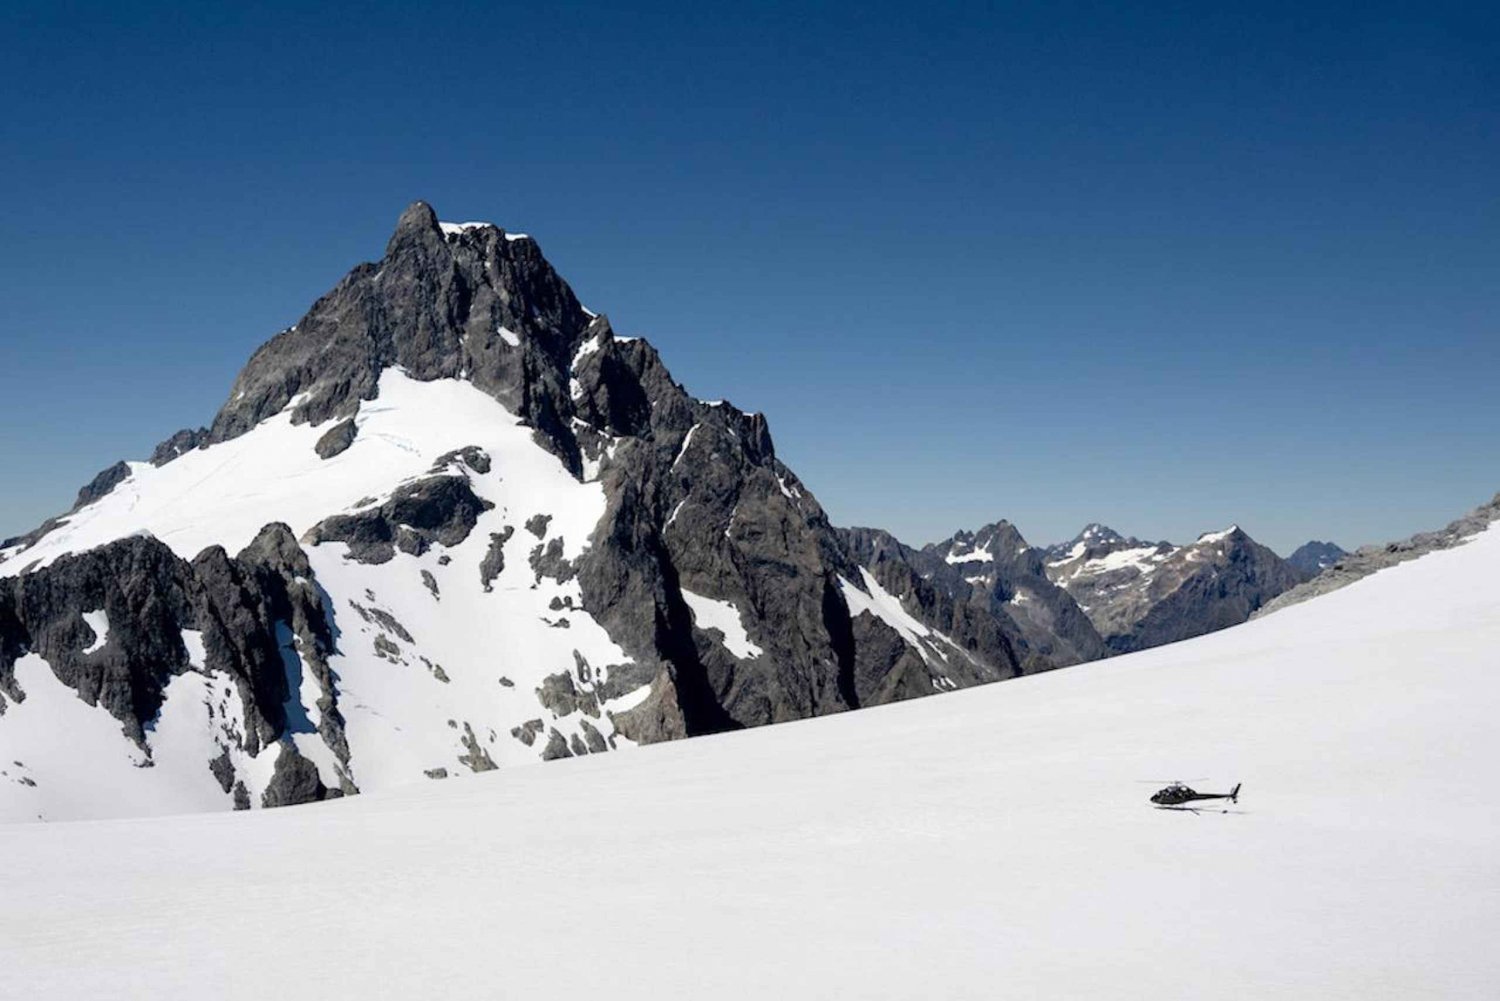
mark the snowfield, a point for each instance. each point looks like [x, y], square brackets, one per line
[992, 842]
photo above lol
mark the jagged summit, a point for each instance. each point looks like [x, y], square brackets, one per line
[416, 220]
[1312, 558]
[1093, 536]
[1095, 533]
[470, 304]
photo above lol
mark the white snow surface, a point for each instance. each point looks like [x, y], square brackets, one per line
[454, 228]
[990, 842]
[192, 640]
[976, 556]
[715, 613]
[98, 621]
[870, 596]
[1145, 559]
[225, 494]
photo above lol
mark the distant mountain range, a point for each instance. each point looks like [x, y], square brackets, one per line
[1142, 594]
[450, 520]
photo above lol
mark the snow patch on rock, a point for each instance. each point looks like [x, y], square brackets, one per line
[98, 621]
[714, 613]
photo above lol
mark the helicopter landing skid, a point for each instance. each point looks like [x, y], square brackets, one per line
[1199, 809]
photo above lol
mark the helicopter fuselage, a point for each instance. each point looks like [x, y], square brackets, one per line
[1174, 795]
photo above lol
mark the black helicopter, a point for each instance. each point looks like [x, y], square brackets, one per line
[1177, 794]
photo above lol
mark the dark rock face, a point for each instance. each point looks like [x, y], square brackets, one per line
[561, 697]
[659, 717]
[557, 746]
[337, 439]
[471, 456]
[437, 510]
[223, 770]
[1312, 558]
[527, 732]
[548, 561]
[475, 756]
[493, 564]
[102, 484]
[434, 305]
[245, 608]
[295, 780]
[183, 441]
[146, 591]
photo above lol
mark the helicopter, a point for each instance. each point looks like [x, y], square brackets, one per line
[1176, 794]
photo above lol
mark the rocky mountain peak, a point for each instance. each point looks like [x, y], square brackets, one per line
[462, 301]
[418, 224]
[997, 541]
[1232, 534]
[1312, 558]
[1094, 539]
[1094, 532]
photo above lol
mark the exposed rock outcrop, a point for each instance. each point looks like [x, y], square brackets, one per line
[438, 510]
[1312, 558]
[245, 611]
[1370, 559]
[337, 439]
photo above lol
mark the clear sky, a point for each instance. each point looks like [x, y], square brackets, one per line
[1166, 266]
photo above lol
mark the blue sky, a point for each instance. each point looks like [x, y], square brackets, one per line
[1165, 267]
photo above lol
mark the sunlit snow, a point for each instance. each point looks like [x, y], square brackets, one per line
[713, 613]
[225, 494]
[98, 621]
[990, 842]
[454, 228]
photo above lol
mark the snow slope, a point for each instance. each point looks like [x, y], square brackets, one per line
[991, 842]
[225, 494]
[435, 669]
